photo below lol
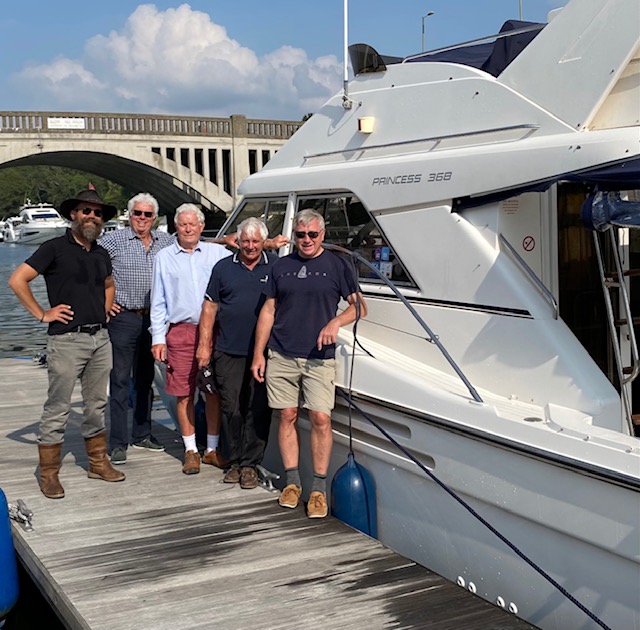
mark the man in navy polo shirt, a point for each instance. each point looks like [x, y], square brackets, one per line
[233, 299]
[298, 321]
[77, 272]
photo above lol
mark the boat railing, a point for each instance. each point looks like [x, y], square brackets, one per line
[431, 337]
[532, 275]
[481, 40]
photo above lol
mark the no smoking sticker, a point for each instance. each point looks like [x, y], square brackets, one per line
[528, 243]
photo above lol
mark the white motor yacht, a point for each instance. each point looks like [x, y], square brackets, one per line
[35, 224]
[488, 191]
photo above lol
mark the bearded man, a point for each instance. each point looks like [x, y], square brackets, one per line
[80, 288]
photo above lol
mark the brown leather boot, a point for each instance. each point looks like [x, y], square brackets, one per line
[99, 465]
[49, 455]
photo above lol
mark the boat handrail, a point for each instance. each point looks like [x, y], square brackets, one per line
[435, 139]
[432, 338]
[624, 394]
[532, 275]
[480, 40]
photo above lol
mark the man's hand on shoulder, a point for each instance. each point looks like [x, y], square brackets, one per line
[276, 242]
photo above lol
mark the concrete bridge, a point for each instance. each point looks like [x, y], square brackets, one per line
[176, 158]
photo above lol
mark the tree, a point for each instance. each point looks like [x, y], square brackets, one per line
[52, 184]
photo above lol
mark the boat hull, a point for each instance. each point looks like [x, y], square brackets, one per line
[36, 236]
[580, 529]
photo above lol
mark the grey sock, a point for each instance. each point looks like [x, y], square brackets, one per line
[319, 483]
[293, 477]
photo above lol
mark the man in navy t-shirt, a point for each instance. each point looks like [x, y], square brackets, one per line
[233, 300]
[299, 323]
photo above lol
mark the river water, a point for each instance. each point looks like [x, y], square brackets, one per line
[20, 335]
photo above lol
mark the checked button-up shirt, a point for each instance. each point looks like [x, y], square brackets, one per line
[133, 264]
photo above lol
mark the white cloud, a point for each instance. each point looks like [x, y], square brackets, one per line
[179, 61]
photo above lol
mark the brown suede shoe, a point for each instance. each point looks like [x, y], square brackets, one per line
[99, 466]
[248, 478]
[191, 463]
[215, 458]
[232, 476]
[290, 496]
[317, 506]
[49, 455]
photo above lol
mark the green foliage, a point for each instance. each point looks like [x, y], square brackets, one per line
[52, 184]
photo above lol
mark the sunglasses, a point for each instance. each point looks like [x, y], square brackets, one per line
[139, 213]
[313, 234]
[88, 211]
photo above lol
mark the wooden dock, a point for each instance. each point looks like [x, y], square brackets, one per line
[167, 550]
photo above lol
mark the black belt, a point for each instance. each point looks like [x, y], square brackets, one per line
[138, 311]
[90, 329]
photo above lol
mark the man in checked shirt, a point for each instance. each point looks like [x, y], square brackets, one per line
[132, 252]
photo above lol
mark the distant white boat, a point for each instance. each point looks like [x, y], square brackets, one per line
[35, 224]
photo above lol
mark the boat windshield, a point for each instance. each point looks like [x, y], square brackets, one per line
[347, 223]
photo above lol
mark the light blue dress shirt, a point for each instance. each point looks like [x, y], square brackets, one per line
[179, 283]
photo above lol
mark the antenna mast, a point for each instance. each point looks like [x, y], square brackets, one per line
[346, 101]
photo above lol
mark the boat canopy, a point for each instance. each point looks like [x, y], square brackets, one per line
[491, 54]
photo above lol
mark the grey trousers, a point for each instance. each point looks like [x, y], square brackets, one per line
[71, 356]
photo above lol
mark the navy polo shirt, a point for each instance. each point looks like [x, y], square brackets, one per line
[238, 292]
[73, 276]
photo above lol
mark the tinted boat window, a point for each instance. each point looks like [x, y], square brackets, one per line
[271, 211]
[348, 224]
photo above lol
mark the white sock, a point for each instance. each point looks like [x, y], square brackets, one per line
[212, 442]
[190, 442]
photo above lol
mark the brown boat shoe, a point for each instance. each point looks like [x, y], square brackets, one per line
[215, 458]
[317, 505]
[248, 478]
[191, 463]
[232, 475]
[290, 496]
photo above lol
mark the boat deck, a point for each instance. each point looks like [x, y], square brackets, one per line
[166, 550]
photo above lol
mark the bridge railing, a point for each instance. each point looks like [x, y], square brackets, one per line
[146, 124]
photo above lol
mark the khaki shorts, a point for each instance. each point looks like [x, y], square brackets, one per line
[291, 380]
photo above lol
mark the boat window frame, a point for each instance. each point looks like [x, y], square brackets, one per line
[373, 225]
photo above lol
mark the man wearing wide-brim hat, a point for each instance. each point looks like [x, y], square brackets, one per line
[77, 272]
[82, 198]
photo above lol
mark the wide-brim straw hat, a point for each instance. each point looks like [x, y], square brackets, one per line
[87, 196]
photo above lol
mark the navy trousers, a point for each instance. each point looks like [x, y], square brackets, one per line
[246, 416]
[132, 363]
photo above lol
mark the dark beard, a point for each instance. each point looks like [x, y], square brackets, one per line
[88, 230]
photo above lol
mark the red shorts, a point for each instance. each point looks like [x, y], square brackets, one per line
[182, 367]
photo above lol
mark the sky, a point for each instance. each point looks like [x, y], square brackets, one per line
[275, 60]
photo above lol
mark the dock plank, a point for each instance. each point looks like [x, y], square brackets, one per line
[164, 550]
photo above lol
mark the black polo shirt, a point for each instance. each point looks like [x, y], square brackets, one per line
[238, 292]
[73, 276]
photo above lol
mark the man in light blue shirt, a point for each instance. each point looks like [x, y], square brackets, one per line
[181, 273]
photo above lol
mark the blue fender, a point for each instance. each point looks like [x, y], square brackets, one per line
[353, 497]
[8, 566]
